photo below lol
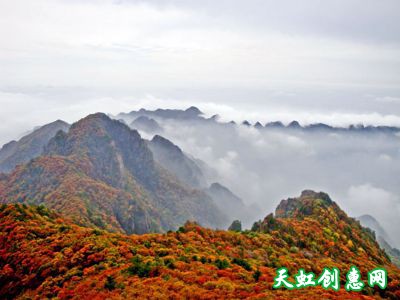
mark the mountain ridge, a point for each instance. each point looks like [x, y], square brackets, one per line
[193, 113]
[29, 146]
[103, 174]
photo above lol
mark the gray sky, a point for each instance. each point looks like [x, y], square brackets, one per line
[331, 61]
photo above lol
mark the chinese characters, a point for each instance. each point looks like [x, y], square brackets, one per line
[330, 279]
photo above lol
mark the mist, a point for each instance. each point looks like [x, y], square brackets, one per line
[263, 166]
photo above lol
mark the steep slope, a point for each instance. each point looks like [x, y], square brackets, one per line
[231, 204]
[178, 163]
[382, 237]
[370, 222]
[29, 146]
[191, 172]
[101, 173]
[146, 124]
[315, 226]
[45, 256]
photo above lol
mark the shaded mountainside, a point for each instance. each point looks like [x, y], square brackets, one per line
[371, 222]
[29, 146]
[146, 124]
[45, 256]
[101, 173]
[231, 204]
[382, 237]
[178, 163]
[192, 172]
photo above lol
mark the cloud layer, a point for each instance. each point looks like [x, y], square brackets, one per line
[359, 170]
[317, 60]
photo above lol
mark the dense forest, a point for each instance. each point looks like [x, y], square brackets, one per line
[44, 255]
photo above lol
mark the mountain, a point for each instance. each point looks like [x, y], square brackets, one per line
[276, 124]
[194, 114]
[230, 203]
[317, 224]
[321, 127]
[294, 125]
[29, 146]
[44, 255]
[382, 237]
[393, 253]
[370, 222]
[194, 174]
[146, 124]
[102, 174]
[178, 163]
[191, 113]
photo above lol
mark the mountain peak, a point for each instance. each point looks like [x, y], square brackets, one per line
[98, 115]
[96, 120]
[160, 140]
[179, 114]
[276, 124]
[294, 124]
[146, 124]
[316, 195]
[313, 218]
[305, 205]
[29, 146]
[258, 125]
[194, 110]
[111, 147]
[217, 188]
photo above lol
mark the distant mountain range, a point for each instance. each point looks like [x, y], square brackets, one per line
[191, 113]
[194, 114]
[31, 145]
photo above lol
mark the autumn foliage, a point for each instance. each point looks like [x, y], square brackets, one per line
[43, 255]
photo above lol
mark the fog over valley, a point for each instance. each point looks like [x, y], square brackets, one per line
[264, 165]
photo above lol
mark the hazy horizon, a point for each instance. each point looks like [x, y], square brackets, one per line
[336, 62]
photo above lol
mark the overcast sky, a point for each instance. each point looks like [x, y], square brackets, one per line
[331, 61]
